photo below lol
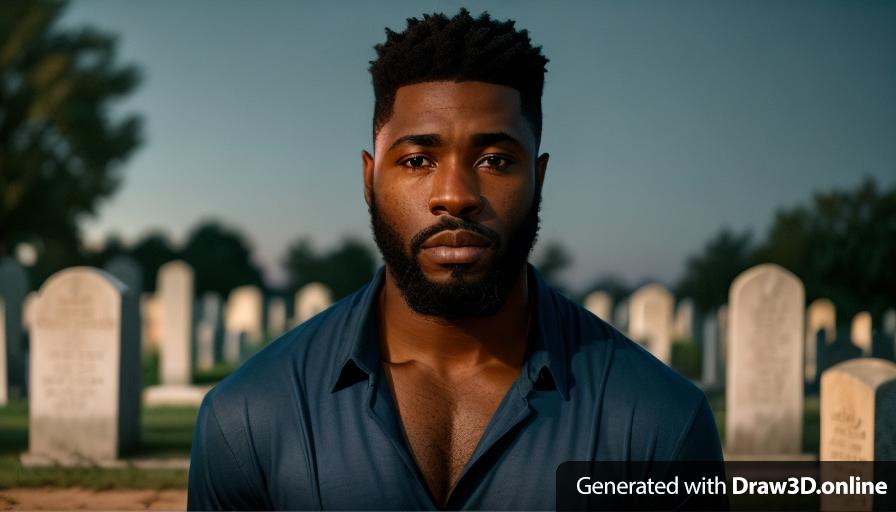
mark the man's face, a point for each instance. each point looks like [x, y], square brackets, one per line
[454, 190]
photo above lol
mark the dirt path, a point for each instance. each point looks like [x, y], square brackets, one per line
[85, 499]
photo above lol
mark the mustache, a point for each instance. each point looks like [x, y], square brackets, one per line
[451, 224]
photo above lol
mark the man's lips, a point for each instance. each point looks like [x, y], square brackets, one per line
[456, 238]
[455, 247]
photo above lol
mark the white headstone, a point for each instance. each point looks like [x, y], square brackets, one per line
[311, 299]
[764, 392]
[858, 423]
[205, 345]
[861, 332]
[175, 291]
[276, 316]
[710, 375]
[821, 314]
[683, 328]
[151, 323]
[244, 313]
[13, 288]
[84, 395]
[650, 320]
[600, 303]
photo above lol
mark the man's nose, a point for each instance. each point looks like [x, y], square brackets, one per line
[455, 191]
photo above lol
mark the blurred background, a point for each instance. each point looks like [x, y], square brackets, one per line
[689, 141]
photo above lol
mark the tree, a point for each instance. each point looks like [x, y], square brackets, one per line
[151, 252]
[842, 246]
[708, 275]
[60, 148]
[343, 269]
[555, 258]
[221, 259]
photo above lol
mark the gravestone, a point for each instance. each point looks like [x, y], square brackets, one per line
[276, 316]
[764, 391]
[620, 315]
[600, 304]
[820, 315]
[13, 288]
[650, 320]
[888, 323]
[151, 323]
[683, 326]
[208, 331]
[710, 375]
[723, 333]
[888, 327]
[175, 292]
[858, 423]
[860, 333]
[311, 299]
[84, 400]
[243, 313]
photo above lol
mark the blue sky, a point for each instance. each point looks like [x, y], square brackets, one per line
[665, 121]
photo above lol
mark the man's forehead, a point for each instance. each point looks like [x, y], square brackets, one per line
[470, 107]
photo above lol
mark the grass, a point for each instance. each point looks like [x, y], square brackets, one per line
[167, 432]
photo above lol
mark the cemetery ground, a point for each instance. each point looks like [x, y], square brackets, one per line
[166, 434]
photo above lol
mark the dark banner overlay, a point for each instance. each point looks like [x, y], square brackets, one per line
[738, 485]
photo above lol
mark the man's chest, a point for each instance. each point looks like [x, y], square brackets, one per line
[444, 421]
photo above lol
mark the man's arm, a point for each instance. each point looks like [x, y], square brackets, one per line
[701, 442]
[218, 479]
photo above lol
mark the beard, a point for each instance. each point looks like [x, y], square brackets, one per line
[461, 296]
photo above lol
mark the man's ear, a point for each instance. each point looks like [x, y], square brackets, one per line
[367, 165]
[541, 167]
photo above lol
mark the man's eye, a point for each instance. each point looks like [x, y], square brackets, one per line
[416, 162]
[494, 162]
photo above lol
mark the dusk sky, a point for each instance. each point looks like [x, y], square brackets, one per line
[665, 121]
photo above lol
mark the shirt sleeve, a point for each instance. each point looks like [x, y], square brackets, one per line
[700, 453]
[701, 442]
[217, 478]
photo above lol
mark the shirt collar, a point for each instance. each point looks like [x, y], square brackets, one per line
[546, 362]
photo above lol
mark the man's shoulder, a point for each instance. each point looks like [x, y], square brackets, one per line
[305, 356]
[639, 394]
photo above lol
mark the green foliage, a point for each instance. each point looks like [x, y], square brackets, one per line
[166, 432]
[343, 269]
[151, 252]
[555, 258]
[221, 259]
[708, 275]
[842, 246]
[687, 358]
[60, 148]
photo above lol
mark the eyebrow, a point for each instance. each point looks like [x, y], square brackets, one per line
[432, 140]
[490, 139]
[429, 140]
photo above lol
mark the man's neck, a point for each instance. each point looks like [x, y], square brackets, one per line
[454, 346]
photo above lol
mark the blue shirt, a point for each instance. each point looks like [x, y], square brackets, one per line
[309, 422]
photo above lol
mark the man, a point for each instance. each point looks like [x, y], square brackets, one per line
[456, 378]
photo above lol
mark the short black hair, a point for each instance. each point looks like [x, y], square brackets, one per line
[461, 48]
